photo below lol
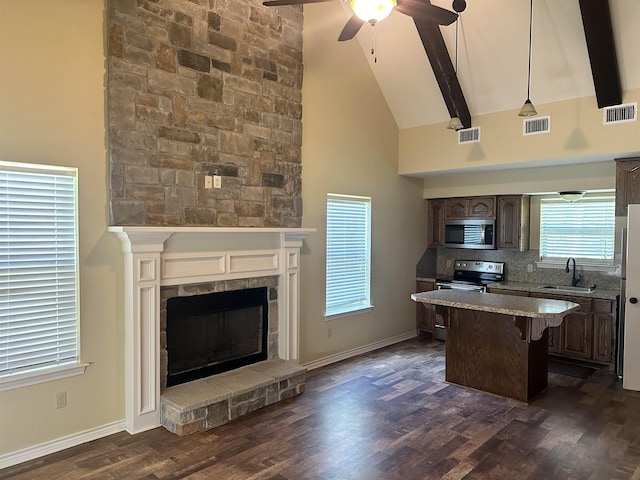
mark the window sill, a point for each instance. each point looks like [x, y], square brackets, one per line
[46, 374]
[592, 267]
[349, 313]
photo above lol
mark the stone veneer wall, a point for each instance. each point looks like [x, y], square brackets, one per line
[216, 287]
[204, 87]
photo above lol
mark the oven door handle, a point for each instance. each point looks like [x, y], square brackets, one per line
[468, 288]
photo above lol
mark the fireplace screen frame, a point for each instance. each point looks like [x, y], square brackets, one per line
[181, 307]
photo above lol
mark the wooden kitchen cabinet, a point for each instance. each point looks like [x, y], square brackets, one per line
[627, 183]
[471, 207]
[604, 312]
[577, 339]
[585, 334]
[513, 222]
[435, 223]
[425, 317]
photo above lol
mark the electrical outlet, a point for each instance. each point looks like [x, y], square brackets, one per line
[329, 333]
[217, 181]
[61, 399]
[448, 263]
[208, 181]
[529, 267]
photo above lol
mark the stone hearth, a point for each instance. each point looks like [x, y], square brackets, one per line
[213, 401]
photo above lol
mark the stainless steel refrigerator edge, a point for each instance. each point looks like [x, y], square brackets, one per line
[621, 302]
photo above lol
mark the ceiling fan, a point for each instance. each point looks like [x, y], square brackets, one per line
[372, 11]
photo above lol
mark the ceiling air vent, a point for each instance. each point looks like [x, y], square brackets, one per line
[625, 113]
[536, 126]
[469, 135]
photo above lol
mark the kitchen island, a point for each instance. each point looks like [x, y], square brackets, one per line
[497, 343]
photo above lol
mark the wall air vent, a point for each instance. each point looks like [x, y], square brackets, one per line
[536, 126]
[624, 113]
[469, 135]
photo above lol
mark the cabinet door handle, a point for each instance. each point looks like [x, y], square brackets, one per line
[633, 300]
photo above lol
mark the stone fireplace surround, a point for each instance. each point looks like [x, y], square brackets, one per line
[156, 257]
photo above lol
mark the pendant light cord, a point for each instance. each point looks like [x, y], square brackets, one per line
[457, 43]
[530, 37]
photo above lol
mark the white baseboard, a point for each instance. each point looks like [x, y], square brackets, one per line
[321, 362]
[59, 444]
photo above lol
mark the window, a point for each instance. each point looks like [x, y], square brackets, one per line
[38, 273]
[584, 229]
[348, 254]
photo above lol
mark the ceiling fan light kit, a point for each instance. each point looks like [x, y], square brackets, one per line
[372, 11]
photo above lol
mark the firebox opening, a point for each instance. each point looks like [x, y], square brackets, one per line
[215, 333]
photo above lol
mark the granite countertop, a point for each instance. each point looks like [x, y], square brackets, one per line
[508, 305]
[536, 288]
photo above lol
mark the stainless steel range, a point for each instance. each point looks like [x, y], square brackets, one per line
[470, 275]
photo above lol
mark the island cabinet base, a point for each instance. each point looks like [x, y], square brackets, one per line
[494, 352]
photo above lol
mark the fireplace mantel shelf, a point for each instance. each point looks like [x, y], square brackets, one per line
[157, 256]
[152, 229]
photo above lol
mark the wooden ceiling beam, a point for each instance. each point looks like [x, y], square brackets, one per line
[443, 70]
[596, 19]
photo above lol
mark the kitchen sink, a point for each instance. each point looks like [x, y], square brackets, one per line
[567, 288]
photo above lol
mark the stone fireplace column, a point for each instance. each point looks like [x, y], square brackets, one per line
[162, 256]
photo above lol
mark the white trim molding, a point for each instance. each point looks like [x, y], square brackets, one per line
[338, 357]
[164, 256]
[59, 444]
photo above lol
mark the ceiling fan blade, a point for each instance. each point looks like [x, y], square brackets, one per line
[351, 29]
[425, 12]
[279, 3]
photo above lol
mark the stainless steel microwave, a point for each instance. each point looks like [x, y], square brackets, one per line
[470, 233]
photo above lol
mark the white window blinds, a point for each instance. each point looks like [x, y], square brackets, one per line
[584, 229]
[38, 268]
[348, 253]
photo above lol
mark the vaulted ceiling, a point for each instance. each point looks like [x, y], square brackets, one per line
[492, 56]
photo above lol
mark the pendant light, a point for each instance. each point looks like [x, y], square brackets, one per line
[528, 110]
[455, 123]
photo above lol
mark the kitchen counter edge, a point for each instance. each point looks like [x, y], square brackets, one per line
[536, 288]
[503, 304]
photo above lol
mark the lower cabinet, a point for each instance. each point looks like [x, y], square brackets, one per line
[425, 317]
[577, 338]
[586, 333]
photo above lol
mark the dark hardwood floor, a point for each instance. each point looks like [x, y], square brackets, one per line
[386, 415]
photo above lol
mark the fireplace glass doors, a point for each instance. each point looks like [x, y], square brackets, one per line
[216, 332]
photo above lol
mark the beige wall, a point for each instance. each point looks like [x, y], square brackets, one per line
[52, 112]
[585, 176]
[577, 136]
[350, 147]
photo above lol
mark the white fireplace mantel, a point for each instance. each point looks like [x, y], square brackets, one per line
[162, 256]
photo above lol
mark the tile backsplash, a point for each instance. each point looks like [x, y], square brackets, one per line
[440, 262]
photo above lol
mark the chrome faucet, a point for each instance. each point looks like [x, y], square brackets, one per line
[574, 281]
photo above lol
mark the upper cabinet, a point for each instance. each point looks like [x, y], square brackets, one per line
[435, 223]
[513, 222]
[472, 207]
[511, 213]
[627, 183]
